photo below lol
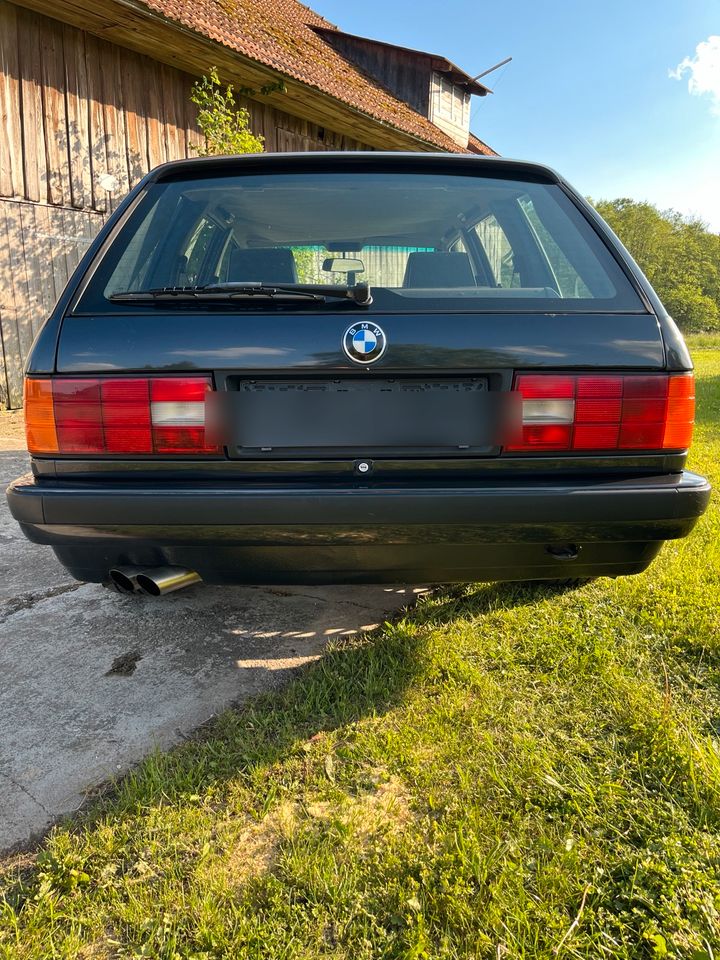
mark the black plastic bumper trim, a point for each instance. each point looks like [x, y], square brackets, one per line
[681, 497]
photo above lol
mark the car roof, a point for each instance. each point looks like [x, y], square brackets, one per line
[360, 161]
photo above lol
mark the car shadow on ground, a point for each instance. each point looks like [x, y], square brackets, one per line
[360, 676]
[97, 680]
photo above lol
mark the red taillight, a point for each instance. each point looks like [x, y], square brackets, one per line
[78, 416]
[598, 413]
[126, 416]
[129, 415]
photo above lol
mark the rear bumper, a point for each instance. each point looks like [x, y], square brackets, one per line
[240, 532]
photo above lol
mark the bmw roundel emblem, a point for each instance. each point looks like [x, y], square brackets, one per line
[364, 342]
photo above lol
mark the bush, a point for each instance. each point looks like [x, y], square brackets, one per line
[224, 125]
[691, 309]
[679, 256]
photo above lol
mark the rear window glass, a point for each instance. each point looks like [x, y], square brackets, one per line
[421, 241]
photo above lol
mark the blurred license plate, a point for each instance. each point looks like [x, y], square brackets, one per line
[357, 413]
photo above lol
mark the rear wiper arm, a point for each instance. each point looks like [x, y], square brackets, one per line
[359, 294]
[218, 292]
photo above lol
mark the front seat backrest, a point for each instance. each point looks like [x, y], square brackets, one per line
[266, 264]
[438, 270]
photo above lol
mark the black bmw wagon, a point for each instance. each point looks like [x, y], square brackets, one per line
[349, 367]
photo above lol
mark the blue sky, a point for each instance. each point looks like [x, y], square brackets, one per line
[588, 91]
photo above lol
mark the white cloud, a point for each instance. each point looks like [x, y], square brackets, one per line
[703, 71]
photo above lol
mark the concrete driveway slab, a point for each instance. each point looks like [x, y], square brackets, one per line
[92, 680]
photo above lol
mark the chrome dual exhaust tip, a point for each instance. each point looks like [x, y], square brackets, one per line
[153, 581]
[124, 579]
[162, 580]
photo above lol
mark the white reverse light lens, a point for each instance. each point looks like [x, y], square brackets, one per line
[548, 411]
[178, 413]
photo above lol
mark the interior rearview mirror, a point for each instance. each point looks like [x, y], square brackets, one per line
[343, 265]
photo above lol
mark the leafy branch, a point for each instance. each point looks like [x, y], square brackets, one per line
[224, 124]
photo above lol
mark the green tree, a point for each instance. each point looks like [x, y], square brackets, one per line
[679, 256]
[224, 125]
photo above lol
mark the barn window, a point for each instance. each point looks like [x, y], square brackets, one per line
[449, 102]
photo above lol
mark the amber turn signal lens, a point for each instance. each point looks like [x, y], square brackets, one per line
[680, 416]
[40, 417]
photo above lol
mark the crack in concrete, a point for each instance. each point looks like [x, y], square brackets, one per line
[287, 593]
[23, 789]
[25, 601]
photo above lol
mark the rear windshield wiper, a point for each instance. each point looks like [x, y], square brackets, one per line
[359, 294]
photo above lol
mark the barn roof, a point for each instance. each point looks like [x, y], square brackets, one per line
[436, 61]
[286, 36]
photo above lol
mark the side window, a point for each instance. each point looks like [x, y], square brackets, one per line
[132, 271]
[498, 251]
[196, 252]
[569, 280]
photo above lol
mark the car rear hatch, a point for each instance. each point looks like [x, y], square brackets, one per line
[479, 273]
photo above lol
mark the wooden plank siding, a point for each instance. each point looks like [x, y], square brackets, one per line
[12, 181]
[81, 122]
[40, 246]
[404, 72]
[33, 127]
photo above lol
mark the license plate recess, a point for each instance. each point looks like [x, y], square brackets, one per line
[342, 416]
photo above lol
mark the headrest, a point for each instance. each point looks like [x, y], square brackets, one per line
[438, 270]
[266, 264]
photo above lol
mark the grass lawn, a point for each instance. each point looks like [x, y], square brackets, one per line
[508, 772]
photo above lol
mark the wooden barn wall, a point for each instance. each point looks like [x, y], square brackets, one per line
[81, 121]
[40, 246]
[402, 71]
